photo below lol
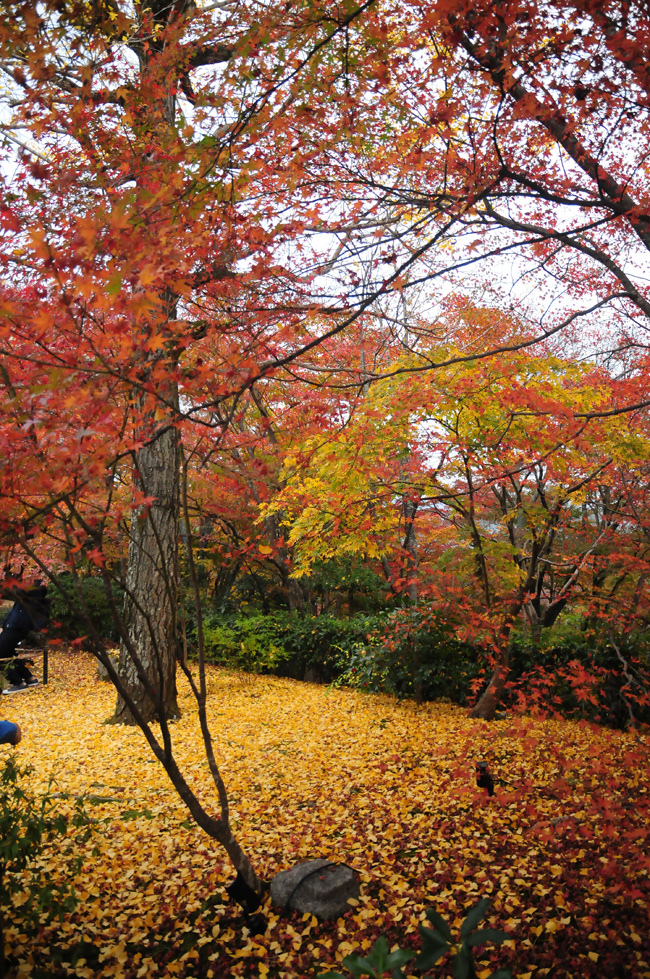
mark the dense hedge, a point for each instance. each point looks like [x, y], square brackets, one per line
[65, 621]
[413, 656]
[372, 652]
[286, 643]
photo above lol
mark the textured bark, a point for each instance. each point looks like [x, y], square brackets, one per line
[411, 549]
[147, 665]
[148, 660]
[485, 707]
[409, 545]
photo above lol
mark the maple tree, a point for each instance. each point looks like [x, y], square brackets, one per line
[163, 235]
[133, 228]
[517, 147]
[517, 502]
[166, 136]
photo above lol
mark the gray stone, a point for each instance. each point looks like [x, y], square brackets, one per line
[317, 887]
[102, 672]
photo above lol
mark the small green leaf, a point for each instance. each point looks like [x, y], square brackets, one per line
[374, 965]
[114, 284]
[433, 948]
[463, 964]
[474, 915]
[380, 960]
[439, 923]
[398, 958]
[358, 966]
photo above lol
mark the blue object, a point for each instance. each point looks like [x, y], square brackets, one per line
[8, 732]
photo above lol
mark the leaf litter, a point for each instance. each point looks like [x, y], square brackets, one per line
[387, 787]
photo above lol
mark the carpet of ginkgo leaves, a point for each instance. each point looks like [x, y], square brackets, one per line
[561, 850]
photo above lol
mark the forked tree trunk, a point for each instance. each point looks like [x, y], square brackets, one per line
[152, 586]
[486, 705]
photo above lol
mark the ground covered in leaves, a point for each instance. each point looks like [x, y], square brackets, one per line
[387, 787]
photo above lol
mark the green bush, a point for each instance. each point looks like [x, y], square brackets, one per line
[66, 619]
[349, 582]
[284, 643]
[546, 675]
[398, 653]
[28, 825]
[437, 942]
[250, 644]
[414, 654]
[322, 646]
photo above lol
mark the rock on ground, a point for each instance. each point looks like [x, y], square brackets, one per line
[317, 887]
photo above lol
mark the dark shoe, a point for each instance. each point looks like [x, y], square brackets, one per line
[16, 688]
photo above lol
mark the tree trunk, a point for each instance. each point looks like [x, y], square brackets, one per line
[485, 707]
[147, 663]
[535, 624]
[409, 545]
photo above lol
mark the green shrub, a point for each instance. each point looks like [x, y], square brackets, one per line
[250, 644]
[284, 643]
[349, 581]
[393, 653]
[437, 942]
[67, 620]
[322, 646]
[414, 654]
[28, 825]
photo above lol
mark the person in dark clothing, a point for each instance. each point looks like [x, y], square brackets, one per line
[9, 639]
[19, 674]
[30, 611]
